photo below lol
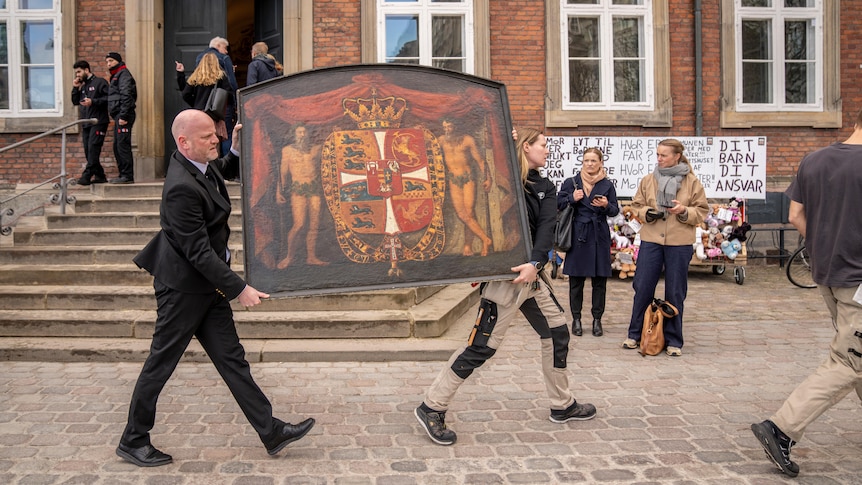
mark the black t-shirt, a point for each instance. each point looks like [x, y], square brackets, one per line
[829, 186]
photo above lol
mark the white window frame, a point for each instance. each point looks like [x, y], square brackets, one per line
[828, 115]
[425, 9]
[606, 11]
[13, 16]
[777, 15]
[559, 116]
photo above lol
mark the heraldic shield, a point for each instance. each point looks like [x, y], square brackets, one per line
[378, 176]
[384, 186]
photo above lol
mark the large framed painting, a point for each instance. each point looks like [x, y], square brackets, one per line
[378, 176]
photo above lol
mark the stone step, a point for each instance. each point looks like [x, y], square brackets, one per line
[54, 255]
[140, 297]
[430, 318]
[117, 220]
[96, 236]
[75, 274]
[87, 205]
[145, 190]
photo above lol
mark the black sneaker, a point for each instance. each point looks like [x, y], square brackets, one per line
[776, 445]
[435, 425]
[575, 412]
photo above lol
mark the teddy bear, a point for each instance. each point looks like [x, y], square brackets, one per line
[626, 259]
[701, 238]
[731, 248]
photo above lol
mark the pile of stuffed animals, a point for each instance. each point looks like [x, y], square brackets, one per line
[719, 237]
[722, 233]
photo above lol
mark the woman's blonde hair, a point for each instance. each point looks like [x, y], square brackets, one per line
[528, 136]
[208, 71]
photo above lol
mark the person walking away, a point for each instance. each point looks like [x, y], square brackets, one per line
[824, 220]
[673, 203]
[194, 285]
[122, 96]
[90, 95]
[262, 67]
[594, 199]
[219, 47]
[501, 300]
[196, 90]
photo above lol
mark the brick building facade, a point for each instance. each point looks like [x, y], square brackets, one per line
[322, 33]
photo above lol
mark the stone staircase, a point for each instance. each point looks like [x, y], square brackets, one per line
[70, 292]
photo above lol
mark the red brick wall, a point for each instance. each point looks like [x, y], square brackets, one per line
[100, 29]
[517, 59]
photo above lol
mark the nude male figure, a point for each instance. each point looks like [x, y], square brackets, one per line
[300, 177]
[458, 151]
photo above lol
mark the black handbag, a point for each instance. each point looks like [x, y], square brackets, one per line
[563, 231]
[216, 103]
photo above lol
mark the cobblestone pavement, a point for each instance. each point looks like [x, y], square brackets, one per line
[660, 419]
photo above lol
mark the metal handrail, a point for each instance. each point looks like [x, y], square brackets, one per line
[62, 199]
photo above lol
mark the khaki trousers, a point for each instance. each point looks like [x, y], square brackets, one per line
[839, 374]
[544, 315]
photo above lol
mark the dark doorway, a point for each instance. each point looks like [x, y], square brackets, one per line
[191, 24]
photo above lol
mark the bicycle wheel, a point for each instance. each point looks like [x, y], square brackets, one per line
[799, 269]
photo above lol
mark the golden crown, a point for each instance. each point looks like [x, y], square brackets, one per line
[375, 112]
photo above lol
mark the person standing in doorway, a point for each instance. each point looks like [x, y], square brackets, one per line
[122, 96]
[824, 209]
[262, 66]
[219, 46]
[90, 95]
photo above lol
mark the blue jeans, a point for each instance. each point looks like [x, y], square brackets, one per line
[652, 258]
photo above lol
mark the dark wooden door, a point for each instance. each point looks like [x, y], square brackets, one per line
[269, 25]
[189, 26]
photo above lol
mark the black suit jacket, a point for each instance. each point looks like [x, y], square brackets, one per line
[189, 253]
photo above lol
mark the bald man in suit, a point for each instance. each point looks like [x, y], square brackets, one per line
[190, 261]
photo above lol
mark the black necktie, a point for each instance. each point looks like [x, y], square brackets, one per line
[211, 177]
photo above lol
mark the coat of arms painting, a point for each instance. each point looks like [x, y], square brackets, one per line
[378, 176]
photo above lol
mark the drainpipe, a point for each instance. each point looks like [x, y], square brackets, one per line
[698, 68]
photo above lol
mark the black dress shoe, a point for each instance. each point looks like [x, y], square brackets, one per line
[597, 328]
[122, 180]
[577, 328]
[146, 455]
[286, 434]
[83, 181]
[100, 180]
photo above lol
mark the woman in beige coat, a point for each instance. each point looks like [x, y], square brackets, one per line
[672, 203]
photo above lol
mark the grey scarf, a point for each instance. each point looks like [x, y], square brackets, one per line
[668, 180]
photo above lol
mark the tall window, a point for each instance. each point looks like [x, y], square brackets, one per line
[30, 57]
[607, 54]
[435, 33]
[780, 46]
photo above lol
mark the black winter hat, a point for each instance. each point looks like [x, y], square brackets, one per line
[115, 56]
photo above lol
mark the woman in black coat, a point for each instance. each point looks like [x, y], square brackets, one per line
[594, 199]
[197, 88]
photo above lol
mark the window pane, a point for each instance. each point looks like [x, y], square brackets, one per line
[796, 35]
[4, 44]
[627, 37]
[401, 1]
[4, 87]
[35, 4]
[581, 2]
[799, 82]
[452, 64]
[627, 81]
[799, 3]
[756, 39]
[757, 82]
[584, 81]
[756, 3]
[583, 37]
[2, 4]
[38, 87]
[447, 36]
[402, 36]
[447, 1]
[37, 42]
[628, 2]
